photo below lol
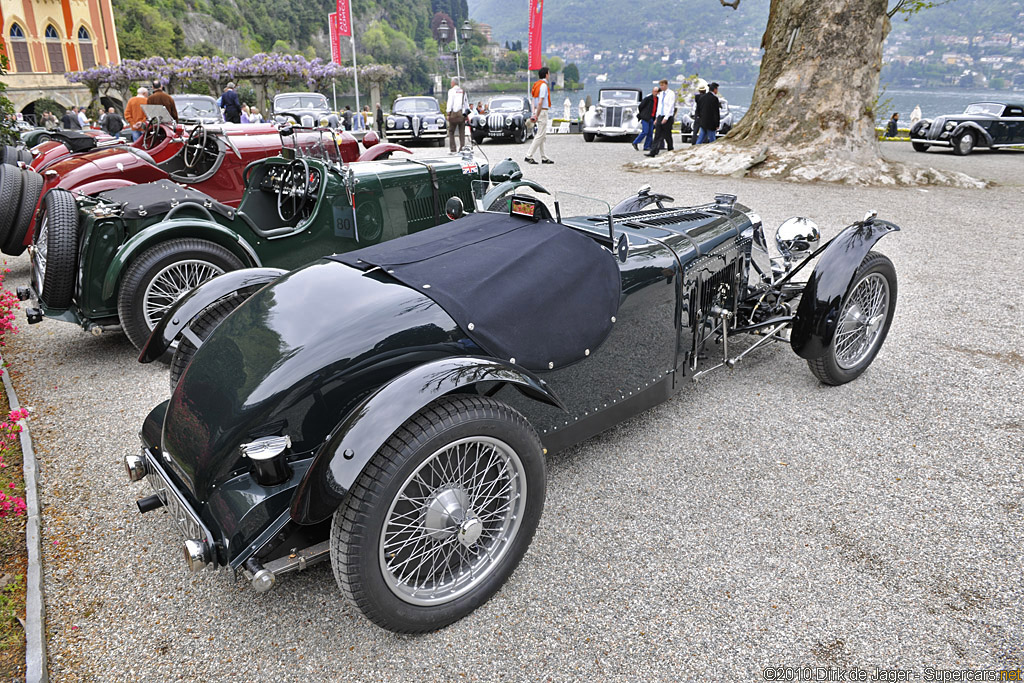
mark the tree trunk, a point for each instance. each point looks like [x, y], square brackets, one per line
[812, 114]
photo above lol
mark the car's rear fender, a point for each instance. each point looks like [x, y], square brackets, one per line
[351, 445]
[181, 315]
[172, 229]
[984, 139]
[818, 312]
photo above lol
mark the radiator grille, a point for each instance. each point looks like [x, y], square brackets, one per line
[704, 295]
[496, 122]
[613, 116]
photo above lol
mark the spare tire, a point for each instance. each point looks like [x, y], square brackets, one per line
[55, 258]
[24, 155]
[31, 188]
[10, 198]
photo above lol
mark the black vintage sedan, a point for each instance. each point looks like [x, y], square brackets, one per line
[416, 118]
[507, 118]
[983, 124]
[391, 408]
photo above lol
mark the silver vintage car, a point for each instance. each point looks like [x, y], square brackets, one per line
[614, 115]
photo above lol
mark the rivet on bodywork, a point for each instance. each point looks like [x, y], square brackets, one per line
[586, 352]
[471, 327]
[348, 454]
[613, 318]
[511, 360]
[551, 366]
[426, 286]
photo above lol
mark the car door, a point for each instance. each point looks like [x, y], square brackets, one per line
[1013, 123]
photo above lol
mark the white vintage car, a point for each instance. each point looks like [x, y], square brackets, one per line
[614, 115]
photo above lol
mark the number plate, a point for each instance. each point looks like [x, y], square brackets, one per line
[431, 126]
[185, 518]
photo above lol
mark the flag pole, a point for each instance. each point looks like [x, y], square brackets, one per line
[355, 70]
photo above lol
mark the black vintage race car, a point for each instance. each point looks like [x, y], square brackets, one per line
[308, 109]
[390, 408]
[507, 118]
[983, 124]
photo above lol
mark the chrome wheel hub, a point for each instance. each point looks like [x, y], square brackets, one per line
[452, 521]
[172, 283]
[39, 254]
[861, 321]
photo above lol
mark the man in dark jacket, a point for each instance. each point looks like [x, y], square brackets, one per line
[646, 116]
[231, 104]
[70, 120]
[159, 97]
[112, 122]
[709, 113]
[380, 120]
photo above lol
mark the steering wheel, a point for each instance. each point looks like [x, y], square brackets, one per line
[293, 195]
[195, 146]
[150, 133]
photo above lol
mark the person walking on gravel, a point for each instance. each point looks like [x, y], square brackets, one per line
[663, 118]
[457, 106]
[648, 106]
[541, 97]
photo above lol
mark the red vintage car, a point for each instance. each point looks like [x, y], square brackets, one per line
[211, 159]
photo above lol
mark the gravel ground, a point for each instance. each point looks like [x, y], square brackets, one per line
[757, 519]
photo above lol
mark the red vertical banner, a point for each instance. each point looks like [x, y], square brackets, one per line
[344, 18]
[536, 17]
[332, 19]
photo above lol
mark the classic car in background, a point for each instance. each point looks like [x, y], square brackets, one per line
[614, 115]
[403, 434]
[308, 109]
[193, 109]
[31, 138]
[126, 255]
[211, 159]
[508, 117]
[983, 124]
[416, 118]
[726, 122]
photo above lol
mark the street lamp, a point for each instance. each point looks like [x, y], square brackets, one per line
[444, 30]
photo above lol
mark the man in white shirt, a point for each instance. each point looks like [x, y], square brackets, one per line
[83, 120]
[664, 117]
[456, 108]
[541, 97]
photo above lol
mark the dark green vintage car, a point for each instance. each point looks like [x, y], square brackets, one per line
[126, 255]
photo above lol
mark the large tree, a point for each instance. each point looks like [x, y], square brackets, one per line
[812, 116]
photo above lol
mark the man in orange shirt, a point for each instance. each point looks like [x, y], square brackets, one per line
[133, 113]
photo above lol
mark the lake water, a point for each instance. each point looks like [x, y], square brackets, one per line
[903, 100]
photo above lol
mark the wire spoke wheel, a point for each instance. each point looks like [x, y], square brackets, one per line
[453, 520]
[173, 282]
[861, 320]
[39, 254]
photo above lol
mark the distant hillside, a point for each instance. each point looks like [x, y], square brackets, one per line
[611, 24]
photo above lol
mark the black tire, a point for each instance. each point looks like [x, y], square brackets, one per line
[203, 326]
[920, 146]
[9, 155]
[478, 139]
[964, 143]
[55, 261]
[357, 556]
[208, 258]
[588, 137]
[829, 369]
[520, 135]
[10, 198]
[31, 188]
[24, 155]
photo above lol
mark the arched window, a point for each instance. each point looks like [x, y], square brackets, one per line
[85, 48]
[54, 50]
[19, 50]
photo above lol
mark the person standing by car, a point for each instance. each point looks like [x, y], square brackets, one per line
[541, 97]
[83, 120]
[710, 113]
[159, 97]
[665, 116]
[231, 104]
[133, 113]
[112, 122]
[456, 108]
[70, 120]
[646, 116]
[380, 120]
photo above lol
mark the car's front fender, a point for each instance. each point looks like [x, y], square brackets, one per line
[985, 138]
[382, 150]
[170, 229]
[348, 449]
[818, 312]
[191, 305]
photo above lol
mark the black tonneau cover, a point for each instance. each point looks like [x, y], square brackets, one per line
[537, 292]
[137, 201]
